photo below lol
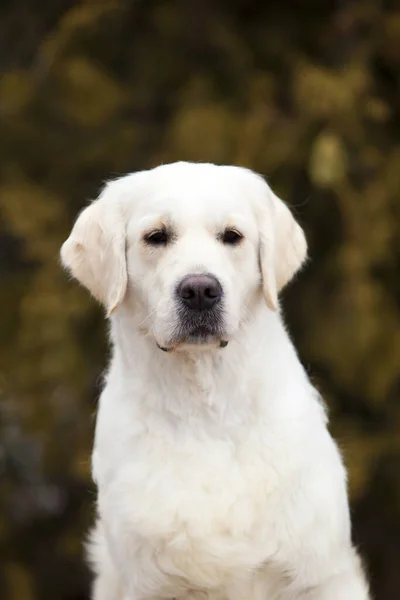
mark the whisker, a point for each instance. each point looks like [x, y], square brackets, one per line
[148, 317]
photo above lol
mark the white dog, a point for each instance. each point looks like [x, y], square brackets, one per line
[217, 478]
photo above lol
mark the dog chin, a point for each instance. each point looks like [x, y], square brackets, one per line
[201, 339]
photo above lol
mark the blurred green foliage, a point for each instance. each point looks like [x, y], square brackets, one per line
[306, 93]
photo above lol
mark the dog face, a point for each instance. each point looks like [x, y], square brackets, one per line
[192, 251]
[187, 249]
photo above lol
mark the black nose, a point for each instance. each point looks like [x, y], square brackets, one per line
[199, 292]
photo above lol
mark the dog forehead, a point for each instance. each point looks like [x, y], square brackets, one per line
[196, 191]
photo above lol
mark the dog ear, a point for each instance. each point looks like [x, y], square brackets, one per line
[94, 253]
[283, 248]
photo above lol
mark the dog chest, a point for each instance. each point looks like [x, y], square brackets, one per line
[203, 503]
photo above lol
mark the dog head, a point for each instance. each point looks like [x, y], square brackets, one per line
[186, 248]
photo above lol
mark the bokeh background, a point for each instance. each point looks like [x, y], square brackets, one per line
[308, 94]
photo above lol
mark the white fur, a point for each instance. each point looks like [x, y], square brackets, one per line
[217, 478]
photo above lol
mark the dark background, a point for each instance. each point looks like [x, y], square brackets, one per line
[307, 93]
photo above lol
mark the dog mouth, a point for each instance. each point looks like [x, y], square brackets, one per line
[201, 335]
[198, 329]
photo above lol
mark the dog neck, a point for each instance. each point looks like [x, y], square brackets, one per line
[203, 379]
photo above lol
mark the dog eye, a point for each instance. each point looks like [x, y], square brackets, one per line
[157, 238]
[231, 237]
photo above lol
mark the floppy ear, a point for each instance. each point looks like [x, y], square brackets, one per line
[94, 253]
[283, 248]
